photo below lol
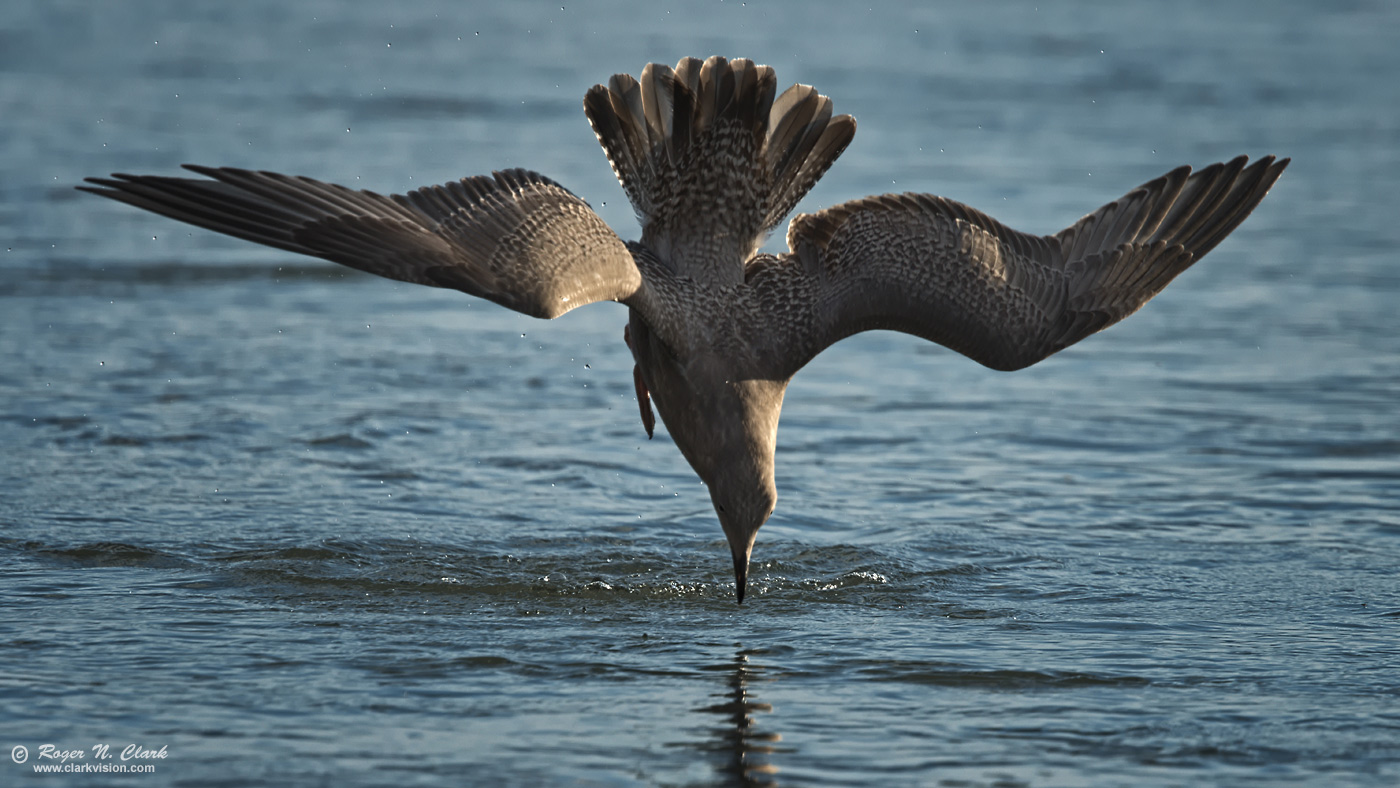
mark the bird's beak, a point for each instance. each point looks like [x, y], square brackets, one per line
[741, 572]
[741, 548]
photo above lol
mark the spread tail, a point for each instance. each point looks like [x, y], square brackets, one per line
[711, 161]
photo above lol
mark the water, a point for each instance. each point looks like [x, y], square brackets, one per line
[298, 526]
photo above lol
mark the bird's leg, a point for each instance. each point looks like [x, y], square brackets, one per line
[643, 396]
[644, 401]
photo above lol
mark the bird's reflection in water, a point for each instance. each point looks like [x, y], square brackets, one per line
[746, 748]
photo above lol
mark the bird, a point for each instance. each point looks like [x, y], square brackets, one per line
[713, 158]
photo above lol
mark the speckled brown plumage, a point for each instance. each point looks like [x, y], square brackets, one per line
[712, 159]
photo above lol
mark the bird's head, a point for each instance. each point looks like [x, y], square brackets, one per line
[744, 498]
[727, 428]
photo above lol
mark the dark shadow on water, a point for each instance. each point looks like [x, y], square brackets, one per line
[746, 750]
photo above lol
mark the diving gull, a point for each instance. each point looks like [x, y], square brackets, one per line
[713, 159]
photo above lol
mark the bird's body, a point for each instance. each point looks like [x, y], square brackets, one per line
[712, 160]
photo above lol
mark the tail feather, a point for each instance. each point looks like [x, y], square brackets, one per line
[658, 85]
[688, 72]
[710, 159]
[716, 88]
[625, 101]
[795, 110]
[807, 141]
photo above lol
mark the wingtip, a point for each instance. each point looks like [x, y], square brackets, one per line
[105, 186]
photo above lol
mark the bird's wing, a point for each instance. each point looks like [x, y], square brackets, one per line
[948, 273]
[517, 238]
